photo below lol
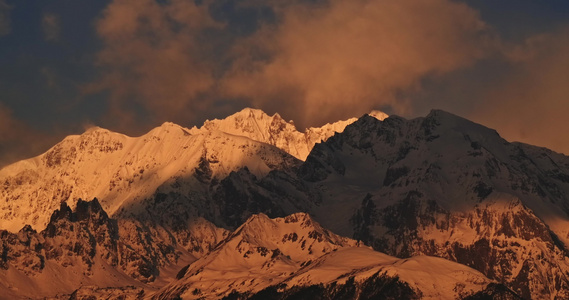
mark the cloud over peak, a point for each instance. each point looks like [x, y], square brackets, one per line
[346, 57]
[333, 59]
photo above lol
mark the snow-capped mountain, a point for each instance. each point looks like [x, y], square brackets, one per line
[438, 186]
[274, 130]
[269, 258]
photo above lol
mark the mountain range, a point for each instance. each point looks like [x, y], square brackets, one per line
[248, 207]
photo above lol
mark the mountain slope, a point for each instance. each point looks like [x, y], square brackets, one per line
[123, 172]
[159, 187]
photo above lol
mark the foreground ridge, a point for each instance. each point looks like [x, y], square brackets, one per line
[277, 258]
[288, 257]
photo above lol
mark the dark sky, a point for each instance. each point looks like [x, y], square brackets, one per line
[130, 65]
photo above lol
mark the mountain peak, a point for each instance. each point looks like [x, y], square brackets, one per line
[378, 115]
[443, 122]
[443, 115]
[169, 125]
[95, 129]
[167, 128]
[251, 112]
[274, 130]
[450, 120]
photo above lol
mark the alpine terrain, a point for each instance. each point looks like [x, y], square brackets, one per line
[249, 207]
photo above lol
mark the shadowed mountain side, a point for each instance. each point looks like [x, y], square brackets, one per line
[442, 185]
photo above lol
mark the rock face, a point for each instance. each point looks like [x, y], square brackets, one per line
[94, 292]
[73, 244]
[69, 238]
[294, 257]
[70, 235]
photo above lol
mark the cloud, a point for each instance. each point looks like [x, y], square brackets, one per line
[313, 63]
[531, 101]
[343, 58]
[5, 21]
[50, 26]
[154, 58]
